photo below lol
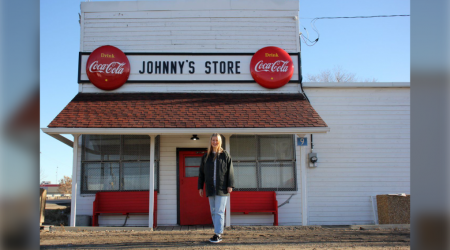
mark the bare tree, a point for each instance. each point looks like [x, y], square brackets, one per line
[42, 175]
[336, 75]
[65, 185]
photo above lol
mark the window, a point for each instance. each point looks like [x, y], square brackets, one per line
[117, 163]
[263, 162]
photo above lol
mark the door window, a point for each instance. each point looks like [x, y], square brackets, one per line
[192, 163]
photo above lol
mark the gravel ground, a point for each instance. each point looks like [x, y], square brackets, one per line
[237, 237]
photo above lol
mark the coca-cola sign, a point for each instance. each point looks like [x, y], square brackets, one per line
[188, 68]
[271, 67]
[108, 68]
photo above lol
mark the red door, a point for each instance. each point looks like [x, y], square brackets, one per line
[194, 210]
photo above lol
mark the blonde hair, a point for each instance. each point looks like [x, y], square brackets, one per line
[210, 148]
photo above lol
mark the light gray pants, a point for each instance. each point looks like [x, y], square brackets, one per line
[217, 204]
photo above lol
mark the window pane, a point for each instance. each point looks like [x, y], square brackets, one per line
[110, 147]
[276, 147]
[243, 148]
[110, 179]
[277, 175]
[136, 147]
[92, 175]
[191, 172]
[144, 148]
[91, 147]
[192, 161]
[156, 175]
[136, 175]
[245, 175]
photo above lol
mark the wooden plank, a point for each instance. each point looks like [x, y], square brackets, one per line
[145, 36]
[240, 46]
[184, 228]
[260, 23]
[231, 33]
[190, 14]
[176, 228]
[194, 5]
[267, 29]
[93, 21]
[156, 47]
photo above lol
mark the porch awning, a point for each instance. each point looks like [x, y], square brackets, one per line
[169, 113]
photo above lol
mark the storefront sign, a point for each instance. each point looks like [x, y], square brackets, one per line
[188, 68]
[107, 68]
[272, 67]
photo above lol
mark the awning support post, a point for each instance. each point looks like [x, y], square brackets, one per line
[303, 163]
[227, 210]
[73, 202]
[152, 182]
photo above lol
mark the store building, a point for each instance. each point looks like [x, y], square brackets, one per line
[52, 189]
[191, 74]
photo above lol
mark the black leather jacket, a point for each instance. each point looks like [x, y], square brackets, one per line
[224, 174]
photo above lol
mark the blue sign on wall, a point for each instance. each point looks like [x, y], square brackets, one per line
[302, 141]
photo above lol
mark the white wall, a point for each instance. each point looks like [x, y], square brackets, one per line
[366, 152]
[190, 26]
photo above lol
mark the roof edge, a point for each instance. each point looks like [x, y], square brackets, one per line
[171, 131]
[184, 5]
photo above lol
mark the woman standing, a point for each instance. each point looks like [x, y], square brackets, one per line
[216, 172]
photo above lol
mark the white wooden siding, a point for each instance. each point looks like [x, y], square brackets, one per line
[156, 26]
[192, 5]
[366, 153]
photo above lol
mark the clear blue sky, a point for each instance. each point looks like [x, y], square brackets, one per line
[371, 48]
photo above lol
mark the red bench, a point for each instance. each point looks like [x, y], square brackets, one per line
[122, 203]
[254, 202]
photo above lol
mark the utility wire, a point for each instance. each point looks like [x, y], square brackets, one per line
[308, 42]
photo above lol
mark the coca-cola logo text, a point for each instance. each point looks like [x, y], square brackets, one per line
[111, 68]
[278, 66]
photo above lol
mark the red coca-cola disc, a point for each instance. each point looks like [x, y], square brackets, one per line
[108, 67]
[271, 67]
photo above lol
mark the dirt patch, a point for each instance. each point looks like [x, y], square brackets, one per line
[236, 237]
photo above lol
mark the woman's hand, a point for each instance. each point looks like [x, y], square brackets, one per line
[230, 189]
[200, 192]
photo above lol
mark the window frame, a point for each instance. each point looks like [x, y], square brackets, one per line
[120, 162]
[258, 167]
